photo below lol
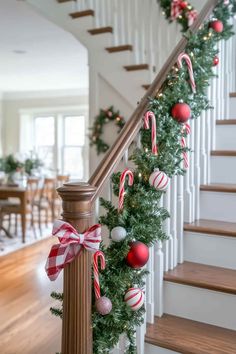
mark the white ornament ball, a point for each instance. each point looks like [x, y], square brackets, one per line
[159, 180]
[134, 298]
[118, 234]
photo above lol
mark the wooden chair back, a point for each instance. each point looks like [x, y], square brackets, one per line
[61, 179]
[33, 189]
[48, 191]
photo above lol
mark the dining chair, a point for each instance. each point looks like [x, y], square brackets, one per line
[45, 201]
[9, 207]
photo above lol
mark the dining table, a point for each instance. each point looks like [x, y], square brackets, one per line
[19, 192]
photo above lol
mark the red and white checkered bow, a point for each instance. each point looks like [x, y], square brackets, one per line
[175, 9]
[191, 16]
[70, 246]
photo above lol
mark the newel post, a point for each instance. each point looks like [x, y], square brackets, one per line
[76, 324]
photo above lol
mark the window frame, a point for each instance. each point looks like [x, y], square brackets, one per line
[59, 113]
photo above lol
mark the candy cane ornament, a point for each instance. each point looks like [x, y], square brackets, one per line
[103, 304]
[123, 176]
[184, 56]
[150, 115]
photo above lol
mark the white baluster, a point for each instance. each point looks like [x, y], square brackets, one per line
[173, 219]
[150, 288]
[126, 157]
[203, 149]
[115, 22]
[140, 338]
[187, 197]
[180, 217]
[191, 156]
[159, 273]
[197, 174]
[166, 229]
[97, 209]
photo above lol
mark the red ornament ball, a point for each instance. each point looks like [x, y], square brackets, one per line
[181, 112]
[217, 26]
[103, 305]
[183, 4]
[138, 255]
[215, 61]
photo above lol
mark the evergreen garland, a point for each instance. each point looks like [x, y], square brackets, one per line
[105, 116]
[142, 217]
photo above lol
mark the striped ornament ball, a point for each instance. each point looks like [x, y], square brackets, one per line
[159, 180]
[134, 298]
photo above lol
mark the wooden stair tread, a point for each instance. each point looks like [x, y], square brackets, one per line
[190, 337]
[226, 122]
[215, 187]
[203, 276]
[84, 13]
[101, 30]
[212, 227]
[232, 94]
[120, 48]
[61, 1]
[146, 87]
[223, 153]
[136, 67]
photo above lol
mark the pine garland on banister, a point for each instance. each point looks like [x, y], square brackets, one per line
[140, 218]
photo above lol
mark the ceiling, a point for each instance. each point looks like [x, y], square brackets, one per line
[35, 54]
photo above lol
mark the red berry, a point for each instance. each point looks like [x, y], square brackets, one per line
[217, 26]
[181, 112]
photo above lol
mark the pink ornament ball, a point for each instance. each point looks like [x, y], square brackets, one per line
[138, 255]
[159, 180]
[217, 26]
[134, 298]
[103, 305]
[181, 112]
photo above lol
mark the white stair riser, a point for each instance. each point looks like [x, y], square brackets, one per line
[225, 137]
[213, 250]
[218, 206]
[232, 108]
[223, 169]
[201, 305]
[152, 349]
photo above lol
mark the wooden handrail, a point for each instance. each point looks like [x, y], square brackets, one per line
[132, 127]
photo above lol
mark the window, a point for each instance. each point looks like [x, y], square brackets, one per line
[60, 141]
[74, 145]
[45, 140]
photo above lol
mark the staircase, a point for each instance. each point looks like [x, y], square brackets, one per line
[191, 288]
[200, 294]
[132, 48]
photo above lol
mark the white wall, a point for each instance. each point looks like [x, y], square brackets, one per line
[13, 104]
[102, 95]
[1, 135]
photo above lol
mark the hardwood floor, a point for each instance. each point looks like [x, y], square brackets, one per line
[26, 324]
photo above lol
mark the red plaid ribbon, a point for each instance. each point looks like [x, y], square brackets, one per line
[175, 9]
[70, 246]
